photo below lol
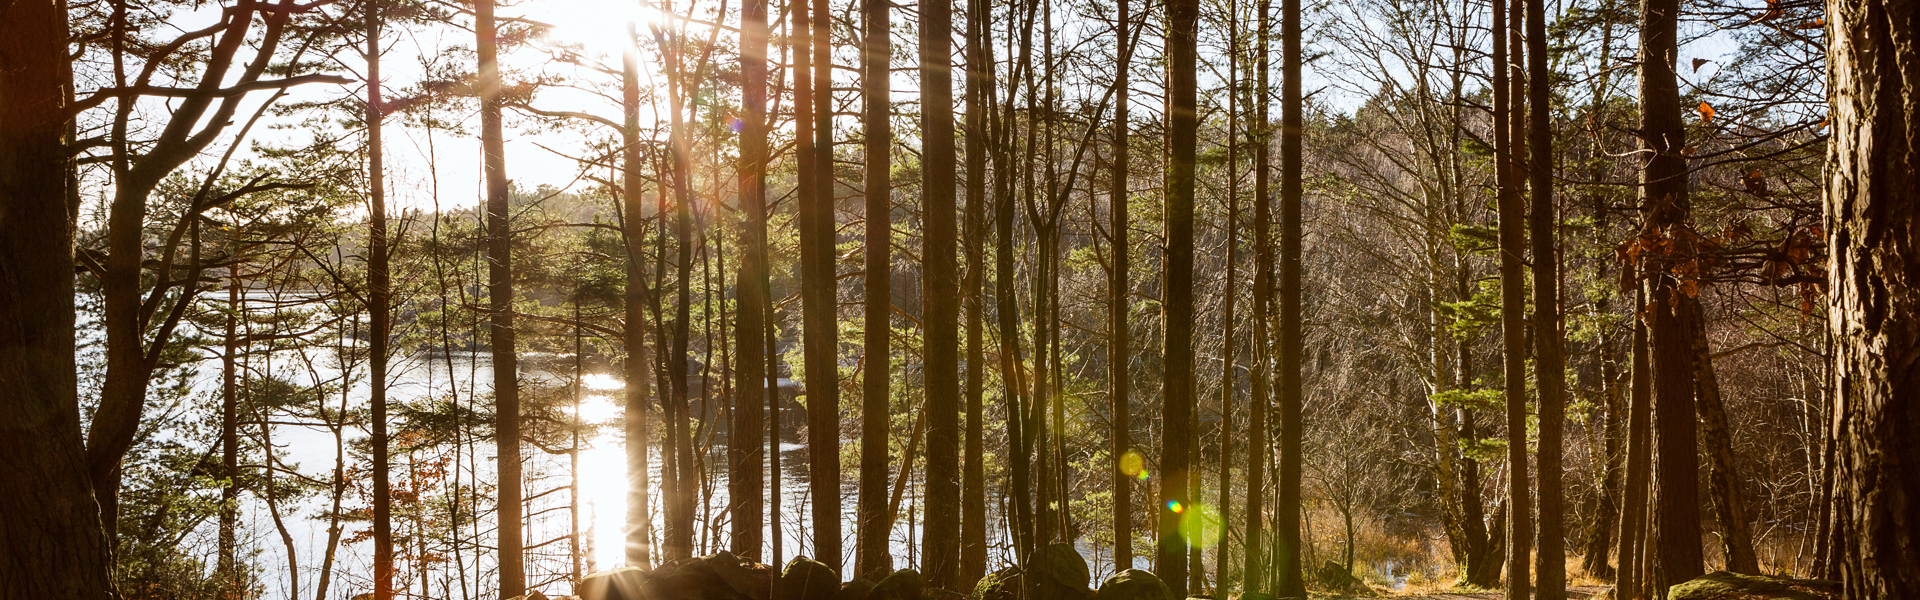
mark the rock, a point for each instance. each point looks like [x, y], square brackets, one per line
[808, 579]
[904, 584]
[1338, 580]
[1003, 584]
[624, 583]
[1133, 584]
[1257, 596]
[854, 590]
[934, 593]
[1723, 585]
[1060, 564]
[718, 577]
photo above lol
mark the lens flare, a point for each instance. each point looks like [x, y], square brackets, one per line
[1201, 526]
[1133, 464]
[1175, 506]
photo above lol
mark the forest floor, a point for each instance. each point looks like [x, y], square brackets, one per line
[1573, 593]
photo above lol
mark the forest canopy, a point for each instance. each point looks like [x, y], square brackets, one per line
[994, 299]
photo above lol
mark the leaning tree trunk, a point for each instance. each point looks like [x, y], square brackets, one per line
[1723, 480]
[55, 545]
[1873, 212]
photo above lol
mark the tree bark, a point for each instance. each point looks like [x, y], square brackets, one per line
[813, 103]
[1512, 210]
[1663, 195]
[876, 402]
[940, 556]
[506, 375]
[1723, 480]
[1260, 392]
[1177, 302]
[639, 523]
[379, 315]
[746, 445]
[1290, 580]
[1550, 364]
[973, 482]
[1874, 309]
[1634, 496]
[54, 544]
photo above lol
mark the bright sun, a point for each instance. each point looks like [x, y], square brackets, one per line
[600, 27]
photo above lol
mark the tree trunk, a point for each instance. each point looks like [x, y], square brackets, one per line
[56, 546]
[1550, 365]
[813, 105]
[973, 480]
[1634, 497]
[746, 448]
[1875, 308]
[1512, 214]
[379, 316]
[940, 298]
[1176, 413]
[872, 559]
[1011, 367]
[639, 523]
[1255, 570]
[1723, 481]
[1290, 581]
[1664, 197]
[1227, 363]
[506, 375]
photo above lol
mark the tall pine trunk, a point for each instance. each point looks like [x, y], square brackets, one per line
[637, 368]
[1549, 362]
[940, 298]
[872, 559]
[1511, 212]
[1255, 578]
[506, 375]
[379, 316]
[1664, 196]
[973, 480]
[1290, 579]
[1630, 578]
[746, 447]
[41, 449]
[813, 105]
[1177, 296]
[1874, 309]
[1119, 302]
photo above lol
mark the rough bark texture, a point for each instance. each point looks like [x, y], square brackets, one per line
[1119, 300]
[1289, 577]
[1177, 352]
[506, 374]
[871, 558]
[1508, 129]
[941, 299]
[1633, 504]
[746, 446]
[51, 543]
[1874, 274]
[1664, 197]
[379, 317]
[1723, 480]
[813, 77]
[973, 479]
[1261, 389]
[1550, 372]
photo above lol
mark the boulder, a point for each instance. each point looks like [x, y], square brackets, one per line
[904, 584]
[1724, 585]
[1133, 584]
[854, 590]
[1340, 581]
[1003, 584]
[1257, 596]
[624, 583]
[721, 576]
[808, 579]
